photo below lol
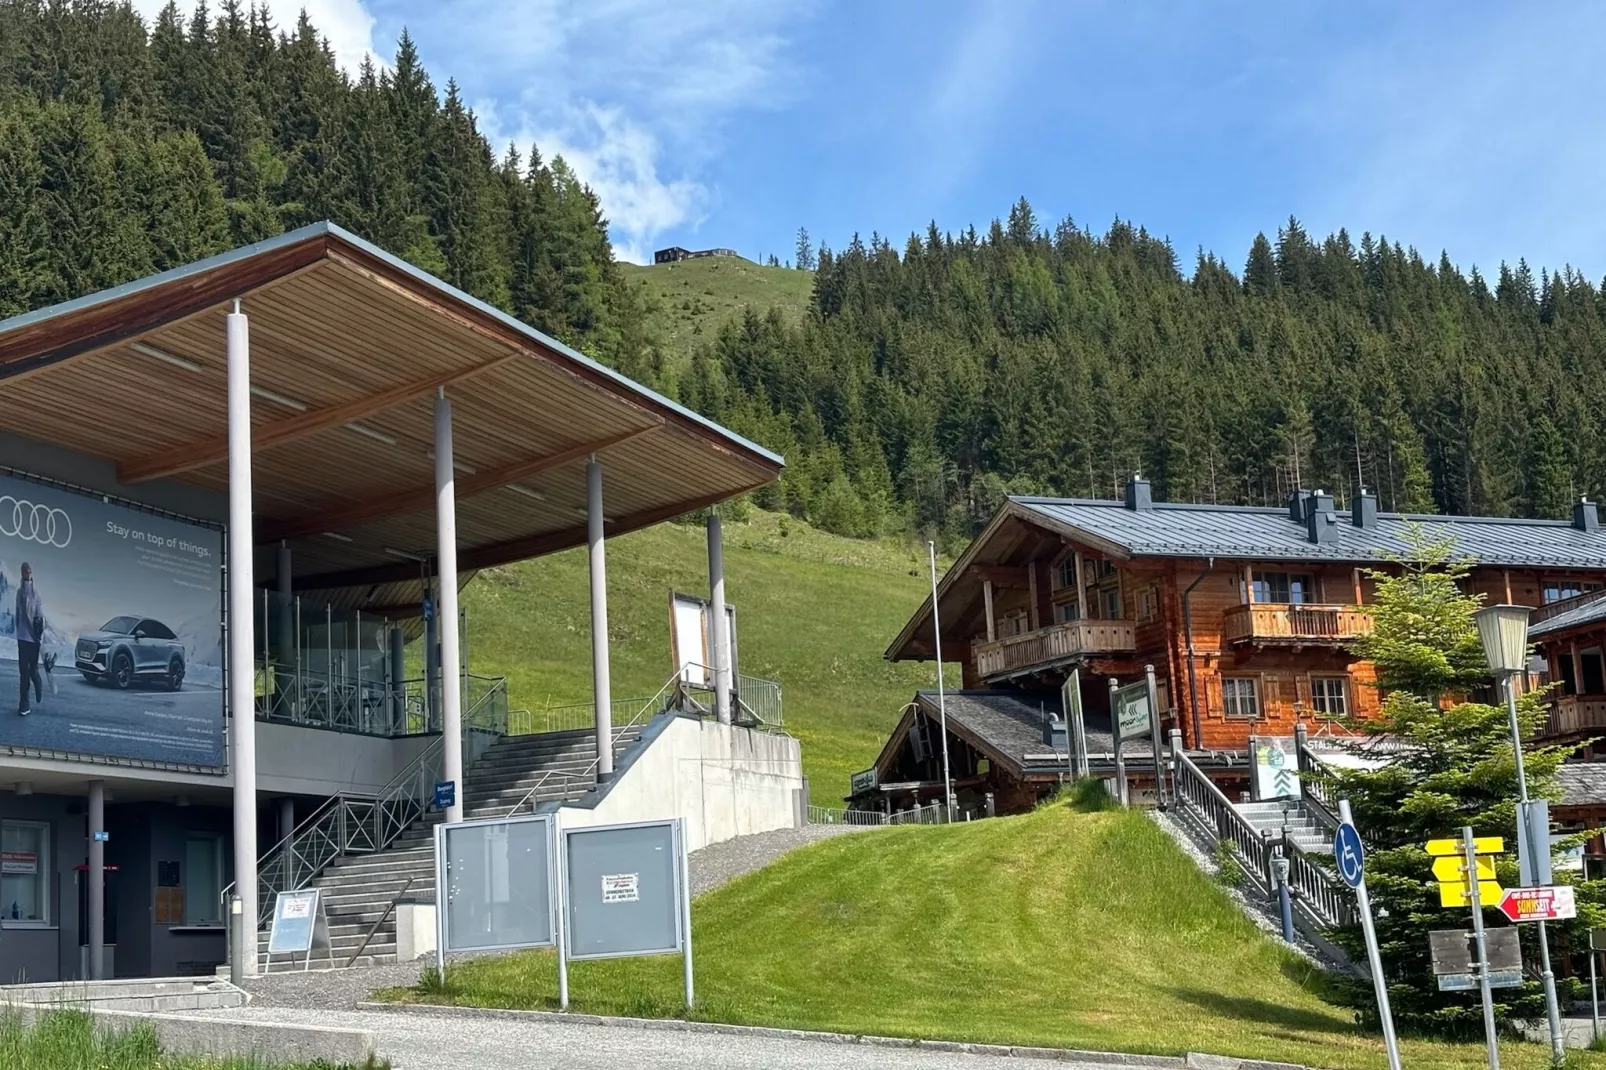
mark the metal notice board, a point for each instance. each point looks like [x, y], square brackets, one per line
[1132, 716]
[298, 925]
[495, 883]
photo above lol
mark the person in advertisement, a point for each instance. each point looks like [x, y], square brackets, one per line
[30, 632]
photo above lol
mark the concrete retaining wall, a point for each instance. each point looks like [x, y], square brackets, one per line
[724, 780]
[268, 1041]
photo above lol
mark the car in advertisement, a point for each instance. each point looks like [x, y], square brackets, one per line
[129, 650]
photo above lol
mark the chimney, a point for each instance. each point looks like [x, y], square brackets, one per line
[1321, 521]
[1138, 498]
[1298, 505]
[1363, 513]
[1586, 515]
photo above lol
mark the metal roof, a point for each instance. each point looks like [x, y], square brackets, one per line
[1590, 609]
[1010, 723]
[1175, 529]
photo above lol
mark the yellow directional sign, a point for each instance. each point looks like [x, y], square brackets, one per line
[1455, 894]
[1483, 845]
[1448, 869]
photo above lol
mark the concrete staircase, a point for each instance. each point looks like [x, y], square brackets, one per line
[358, 889]
[1309, 833]
[141, 995]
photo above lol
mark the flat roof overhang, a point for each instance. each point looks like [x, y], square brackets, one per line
[349, 347]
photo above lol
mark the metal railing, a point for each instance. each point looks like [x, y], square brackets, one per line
[1313, 790]
[760, 700]
[1313, 886]
[827, 815]
[315, 699]
[358, 823]
[661, 701]
[569, 717]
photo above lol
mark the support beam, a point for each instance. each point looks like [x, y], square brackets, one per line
[385, 506]
[96, 876]
[720, 637]
[446, 609]
[215, 448]
[1004, 577]
[241, 634]
[1081, 588]
[1034, 618]
[987, 607]
[601, 681]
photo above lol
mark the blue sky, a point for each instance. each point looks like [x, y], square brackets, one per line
[1474, 127]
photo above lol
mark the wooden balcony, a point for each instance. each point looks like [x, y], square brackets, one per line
[1294, 625]
[1574, 715]
[1054, 643]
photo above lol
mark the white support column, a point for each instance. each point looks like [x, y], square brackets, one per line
[601, 683]
[446, 611]
[241, 633]
[96, 938]
[720, 638]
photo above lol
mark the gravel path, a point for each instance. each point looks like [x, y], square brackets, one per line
[711, 867]
[422, 1040]
[721, 863]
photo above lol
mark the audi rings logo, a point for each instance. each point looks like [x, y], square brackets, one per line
[42, 524]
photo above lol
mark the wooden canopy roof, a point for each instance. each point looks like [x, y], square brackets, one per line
[349, 346]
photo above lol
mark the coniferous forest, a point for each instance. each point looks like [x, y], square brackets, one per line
[926, 382]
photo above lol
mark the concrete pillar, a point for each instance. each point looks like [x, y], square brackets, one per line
[287, 817]
[432, 675]
[446, 607]
[242, 629]
[398, 672]
[717, 624]
[601, 683]
[97, 880]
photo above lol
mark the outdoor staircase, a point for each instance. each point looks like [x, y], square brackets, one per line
[1308, 831]
[359, 889]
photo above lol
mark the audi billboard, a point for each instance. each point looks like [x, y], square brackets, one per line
[111, 635]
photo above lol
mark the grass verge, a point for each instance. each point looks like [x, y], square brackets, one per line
[1061, 927]
[68, 1040]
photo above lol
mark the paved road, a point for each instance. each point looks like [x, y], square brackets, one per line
[425, 1041]
[142, 722]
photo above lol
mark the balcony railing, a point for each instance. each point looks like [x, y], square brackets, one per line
[1572, 715]
[1279, 622]
[1054, 643]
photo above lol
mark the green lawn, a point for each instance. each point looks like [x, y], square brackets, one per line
[1055, 928]
[68, 1040]
[689, 301]
[814, 612]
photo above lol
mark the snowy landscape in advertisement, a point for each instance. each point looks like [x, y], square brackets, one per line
[111, 633]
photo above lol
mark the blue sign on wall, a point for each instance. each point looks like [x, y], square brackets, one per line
[1349, 854]
[445, 794]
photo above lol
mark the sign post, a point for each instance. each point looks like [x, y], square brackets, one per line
[1597, 944]
[1469, 851]
[1350, 855]
[1130, 718]
[1151, 695]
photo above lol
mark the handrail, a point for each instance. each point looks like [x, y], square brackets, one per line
[1314, 792]
[671, 686]
[1315, 887]
[355, 955]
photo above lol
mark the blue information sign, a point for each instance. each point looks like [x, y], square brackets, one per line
[1349, 854]
[445, 794]
[103, 837]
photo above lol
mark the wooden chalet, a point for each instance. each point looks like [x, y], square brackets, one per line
[1247, 614]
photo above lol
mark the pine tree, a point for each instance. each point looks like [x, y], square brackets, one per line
[1546, 472]
[805, 251]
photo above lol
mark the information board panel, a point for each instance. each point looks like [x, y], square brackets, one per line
[496, 879]
[295, 922]
[623, 889]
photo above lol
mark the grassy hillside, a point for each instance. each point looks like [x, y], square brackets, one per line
[690, 300]
[814, 611]
[1060, 928]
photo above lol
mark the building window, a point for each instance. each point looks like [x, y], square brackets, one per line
[24, 873]
[1594, 678]
[1067, 612]
[1012, 624]
[1112, 605]
[1148, 604]
[1559, 590]
[1329, 695]
[1291, 588]
[1065, 574]
[203, 880]
[1240, 696]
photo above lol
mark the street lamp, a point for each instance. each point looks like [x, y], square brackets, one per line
[1503, 630]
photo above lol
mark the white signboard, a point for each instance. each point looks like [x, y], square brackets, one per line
[690, 636]
[1276, 773]
[621, 887]
[1131, 714]
[19, 862]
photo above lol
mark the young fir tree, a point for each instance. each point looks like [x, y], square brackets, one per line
[1450, 766]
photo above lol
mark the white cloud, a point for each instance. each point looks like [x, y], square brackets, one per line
[346, 24]
[634, 94]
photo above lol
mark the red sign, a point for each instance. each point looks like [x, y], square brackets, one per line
[1539, 904]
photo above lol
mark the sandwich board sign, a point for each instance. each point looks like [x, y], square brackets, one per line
[298, 925]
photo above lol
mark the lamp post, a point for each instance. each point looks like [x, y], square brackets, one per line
[1503, 630]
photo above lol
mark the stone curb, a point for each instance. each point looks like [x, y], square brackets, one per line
[679, 1025]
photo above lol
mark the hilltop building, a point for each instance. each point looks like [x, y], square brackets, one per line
[675, 252]
[1246, 615]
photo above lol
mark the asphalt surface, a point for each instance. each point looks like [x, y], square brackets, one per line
[142, 722]
[422, 1040]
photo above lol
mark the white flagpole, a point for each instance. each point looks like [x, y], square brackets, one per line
[942, 697]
